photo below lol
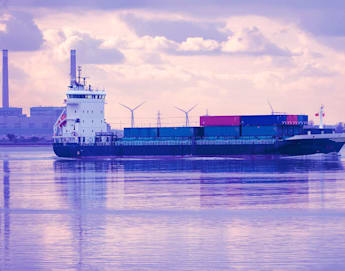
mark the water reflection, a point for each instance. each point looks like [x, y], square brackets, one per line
[84, 187]
[6, 214]
[175, 214]
[164, 183]
[200, 164]
[155, 186]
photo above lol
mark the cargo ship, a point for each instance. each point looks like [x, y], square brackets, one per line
[81, 131]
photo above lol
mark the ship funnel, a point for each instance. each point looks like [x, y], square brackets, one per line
[73, 72]
[5, 98]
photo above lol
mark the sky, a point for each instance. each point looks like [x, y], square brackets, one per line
[229, 57]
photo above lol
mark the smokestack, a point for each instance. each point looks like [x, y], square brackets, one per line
[73, 73]
[5, 99]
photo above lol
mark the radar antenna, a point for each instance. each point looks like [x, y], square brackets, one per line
[132, 112]
[186, 113]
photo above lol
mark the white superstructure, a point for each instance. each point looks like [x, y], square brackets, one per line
[83, 116]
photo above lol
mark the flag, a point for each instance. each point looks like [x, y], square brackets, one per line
[62, 120]
[317, 114]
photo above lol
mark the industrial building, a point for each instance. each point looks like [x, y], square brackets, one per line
[12, 120]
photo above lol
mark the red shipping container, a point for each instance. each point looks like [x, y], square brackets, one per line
[292, 119]
[220, 120]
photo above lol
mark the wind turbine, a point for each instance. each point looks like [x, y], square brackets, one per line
[132, 112]
[186, 112]
[272, 111]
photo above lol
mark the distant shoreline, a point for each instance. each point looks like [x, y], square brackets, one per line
[12, 144]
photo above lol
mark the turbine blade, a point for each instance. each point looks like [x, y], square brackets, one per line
[130, 109]
[270, 105]
[192, 108]
[138, 106]
[180, 109]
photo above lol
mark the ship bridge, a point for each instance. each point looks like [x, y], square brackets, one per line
[84, 113]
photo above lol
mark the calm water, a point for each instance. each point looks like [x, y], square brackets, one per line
[170, 214]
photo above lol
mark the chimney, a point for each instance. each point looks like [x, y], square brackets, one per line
[73, 72]
[5, 99]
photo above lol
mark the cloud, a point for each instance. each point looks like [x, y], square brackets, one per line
[199, 44]
[312, 15]
[247, 41]
[229, 67]
[317, 71]
[3, 4]
[250, 41]
[90, 50]
[20, 33]
[83, 4]
[153, 43]
[17, 73]
[176, 30]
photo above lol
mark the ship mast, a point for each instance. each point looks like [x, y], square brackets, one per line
[321, 115]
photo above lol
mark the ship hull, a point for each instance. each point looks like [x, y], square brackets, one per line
[284, 147]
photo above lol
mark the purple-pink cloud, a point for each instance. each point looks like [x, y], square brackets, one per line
[20, 33]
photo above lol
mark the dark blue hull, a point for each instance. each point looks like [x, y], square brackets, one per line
[285, 147]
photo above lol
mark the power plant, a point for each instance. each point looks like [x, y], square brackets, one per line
[12, 119]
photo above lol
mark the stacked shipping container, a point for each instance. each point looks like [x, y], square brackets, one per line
[261, 131]
[180, 131]
[221, 131]
[220, 120]
[262, 120]
[140, 132]
[255, 125]
[163, 132]
[232, 126]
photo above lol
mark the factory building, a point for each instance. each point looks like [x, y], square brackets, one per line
[12, 120]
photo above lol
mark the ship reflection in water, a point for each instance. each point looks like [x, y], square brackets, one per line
[171, 214]
[194, 182]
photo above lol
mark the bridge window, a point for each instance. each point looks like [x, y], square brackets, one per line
[77, 96]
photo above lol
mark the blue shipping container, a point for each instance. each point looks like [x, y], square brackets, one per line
[291, 130]
[267, 120]
[177, 131]
[222, 131]
[140, 132]
[261, 131]
[303, 119]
